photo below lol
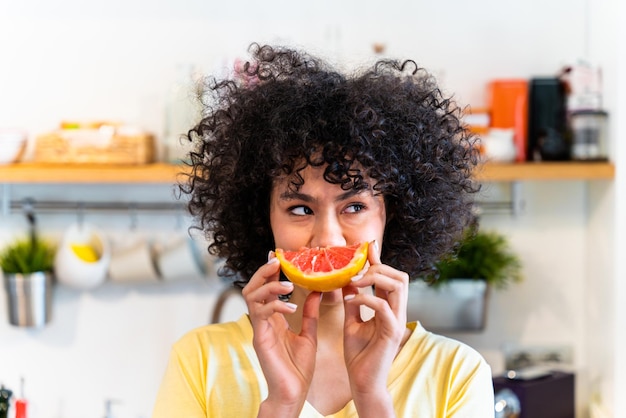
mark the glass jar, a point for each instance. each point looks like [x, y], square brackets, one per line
[589, 135]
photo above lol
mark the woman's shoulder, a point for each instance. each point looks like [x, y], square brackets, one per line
[220, 334]
[437, 346]
[435, 371]
[429, 357]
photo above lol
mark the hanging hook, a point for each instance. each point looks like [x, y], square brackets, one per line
[179, 220]
[28, 207]
[133, 216]
[6, 199]
[80, 214]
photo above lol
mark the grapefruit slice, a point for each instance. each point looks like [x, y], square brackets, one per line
[323, 269]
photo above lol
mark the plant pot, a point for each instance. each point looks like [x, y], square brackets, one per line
[29, 298]
[457, 305]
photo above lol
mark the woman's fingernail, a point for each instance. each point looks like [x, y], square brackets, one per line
[270, 255]
[291, 306]
[349, 297]
[285, 283]
[358, 277]
[376, 246]
[272, 260]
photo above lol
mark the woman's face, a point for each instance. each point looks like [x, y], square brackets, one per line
[321, 214]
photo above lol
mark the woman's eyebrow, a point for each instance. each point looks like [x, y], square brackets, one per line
[295, 195]
[349, 194]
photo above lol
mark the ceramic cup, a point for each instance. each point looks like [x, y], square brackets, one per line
[500, 145]
[179, 260]
[132, 261]
[75, 271]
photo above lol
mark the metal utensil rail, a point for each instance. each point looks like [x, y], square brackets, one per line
[48, 206]
[514, 206]
[9, 205]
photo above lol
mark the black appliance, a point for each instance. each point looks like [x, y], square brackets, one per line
[548, 134]
[549, 396]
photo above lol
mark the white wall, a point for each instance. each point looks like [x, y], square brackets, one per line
[617, 342]
[117, 59]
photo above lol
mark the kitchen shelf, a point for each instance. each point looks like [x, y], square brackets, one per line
[168, 173]
[89, 173]
[568, 170]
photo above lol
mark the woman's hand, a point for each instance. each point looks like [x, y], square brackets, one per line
[371, 346]
[287, 359]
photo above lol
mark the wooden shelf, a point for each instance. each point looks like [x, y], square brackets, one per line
[88, 173]
[168, 173]
[569, 170]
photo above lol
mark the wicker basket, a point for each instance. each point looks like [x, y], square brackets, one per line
[95, 146]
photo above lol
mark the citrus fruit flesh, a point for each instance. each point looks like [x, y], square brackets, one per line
[323, 269]
[85, 252]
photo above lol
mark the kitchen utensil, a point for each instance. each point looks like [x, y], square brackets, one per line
[72, 267]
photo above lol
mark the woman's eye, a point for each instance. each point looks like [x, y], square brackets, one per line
[355, 207]
[300, 210]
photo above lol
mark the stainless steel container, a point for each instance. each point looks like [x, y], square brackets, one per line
[29, 298]
[589, 135]
[455, 306]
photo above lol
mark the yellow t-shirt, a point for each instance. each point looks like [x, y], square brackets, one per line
[213, 371]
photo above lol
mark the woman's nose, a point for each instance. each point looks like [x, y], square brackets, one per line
[327, 232]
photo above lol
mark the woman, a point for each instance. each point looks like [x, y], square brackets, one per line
[292, 154]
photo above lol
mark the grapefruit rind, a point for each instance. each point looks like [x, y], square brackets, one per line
[323, 281]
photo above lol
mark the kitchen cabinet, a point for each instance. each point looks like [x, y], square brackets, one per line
[168, 173]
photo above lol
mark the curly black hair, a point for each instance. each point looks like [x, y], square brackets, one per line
[286, 109]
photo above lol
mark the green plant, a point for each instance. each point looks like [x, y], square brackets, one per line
[27, 255]
[480, 255]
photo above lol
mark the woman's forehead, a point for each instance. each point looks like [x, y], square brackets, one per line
[313, 176]
[298, 178]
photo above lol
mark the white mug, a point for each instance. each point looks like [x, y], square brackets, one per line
[132, 261]
[72, 270]
[499, 145]
[179, 260]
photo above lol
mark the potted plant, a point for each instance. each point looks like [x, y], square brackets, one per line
[480, 255]
[27, 266]
[454, 296]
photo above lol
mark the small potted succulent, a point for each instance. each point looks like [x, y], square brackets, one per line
[454, 296]
[27, 267]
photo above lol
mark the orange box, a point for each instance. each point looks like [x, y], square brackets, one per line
[508, 102]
